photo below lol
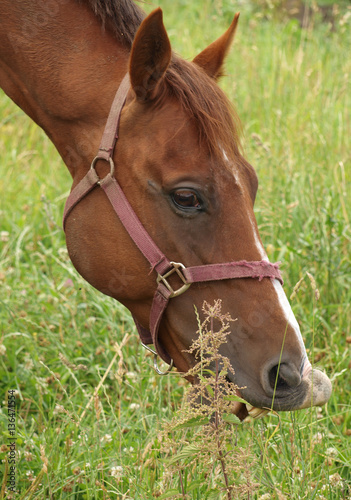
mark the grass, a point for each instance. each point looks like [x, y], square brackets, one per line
[292, 91]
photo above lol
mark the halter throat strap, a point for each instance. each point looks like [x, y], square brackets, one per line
[159, 263]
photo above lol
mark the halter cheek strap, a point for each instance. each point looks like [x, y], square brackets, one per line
[158, 261]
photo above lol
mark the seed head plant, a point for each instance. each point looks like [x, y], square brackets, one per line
[201, 439]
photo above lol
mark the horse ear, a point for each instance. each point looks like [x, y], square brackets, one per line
[150, 56]
[212, 58]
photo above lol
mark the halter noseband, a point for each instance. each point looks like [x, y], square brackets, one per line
[158, 261]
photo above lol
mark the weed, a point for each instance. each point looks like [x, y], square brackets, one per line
[211, 451]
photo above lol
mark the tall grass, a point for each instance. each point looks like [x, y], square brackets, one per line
[57, 335]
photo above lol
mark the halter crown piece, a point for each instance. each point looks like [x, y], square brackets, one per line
[158, 261]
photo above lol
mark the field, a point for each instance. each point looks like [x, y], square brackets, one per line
[292, 90]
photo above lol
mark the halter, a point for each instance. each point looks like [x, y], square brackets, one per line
[158, 261]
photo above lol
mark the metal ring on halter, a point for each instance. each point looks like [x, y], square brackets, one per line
[110, 160]
[156, 368]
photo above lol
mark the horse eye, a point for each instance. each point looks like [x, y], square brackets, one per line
[184, 198]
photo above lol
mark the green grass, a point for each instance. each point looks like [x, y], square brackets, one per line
[292, 91]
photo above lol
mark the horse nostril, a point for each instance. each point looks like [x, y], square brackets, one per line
[283, 376]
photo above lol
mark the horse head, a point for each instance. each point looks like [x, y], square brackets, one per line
[179, 162]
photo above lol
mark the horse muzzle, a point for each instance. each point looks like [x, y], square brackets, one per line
[314, 389]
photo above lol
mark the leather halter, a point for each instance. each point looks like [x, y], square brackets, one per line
[158, 261]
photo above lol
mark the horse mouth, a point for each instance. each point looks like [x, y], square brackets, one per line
[246, 411]
[314, 390]
[242, 409]
[255, 412]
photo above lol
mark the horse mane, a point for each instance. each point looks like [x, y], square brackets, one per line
[122, 16]
[201, 98]
[198, 94]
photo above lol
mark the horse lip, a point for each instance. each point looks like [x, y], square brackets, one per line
[320, 388]
[306, 368]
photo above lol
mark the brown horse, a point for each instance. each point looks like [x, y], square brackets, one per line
[179, 164]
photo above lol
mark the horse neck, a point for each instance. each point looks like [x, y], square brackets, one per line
[62, 69]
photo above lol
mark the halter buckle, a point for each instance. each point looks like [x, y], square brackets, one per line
[176, 268]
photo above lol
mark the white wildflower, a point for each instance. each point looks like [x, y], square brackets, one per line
[335, 479]
[58, 409]
[116, 471]
[28, 362]
[63, 252]
[131, 376]
[4, 236]
[134, 406]
[43, 384]
[28, 456]
[320, 413]
[318, 438]
[107, 438]
[30, 475]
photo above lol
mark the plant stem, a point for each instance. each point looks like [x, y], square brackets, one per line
[224, 471]
[220, 453]
[181, 484]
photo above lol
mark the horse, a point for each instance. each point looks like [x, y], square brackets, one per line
[161, 213]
